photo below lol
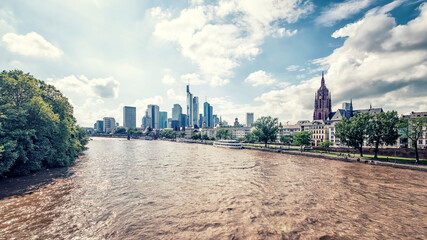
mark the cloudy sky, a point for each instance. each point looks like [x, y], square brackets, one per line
[261, 56]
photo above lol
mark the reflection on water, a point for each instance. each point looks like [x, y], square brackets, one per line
[164, 190]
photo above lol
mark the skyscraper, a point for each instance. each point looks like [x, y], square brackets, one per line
[152, 116]
[195, 111]
[176, 112]
[189, 106]
[322, 102]
[129, 117]
[109, 124]
[163, 120]
[207, 114]
[249, 119]
[99, 126]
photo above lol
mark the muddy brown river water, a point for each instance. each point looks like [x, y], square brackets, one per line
[164, 190]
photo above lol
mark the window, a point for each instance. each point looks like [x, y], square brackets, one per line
[420, 141]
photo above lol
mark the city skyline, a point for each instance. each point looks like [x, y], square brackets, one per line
[264, 58]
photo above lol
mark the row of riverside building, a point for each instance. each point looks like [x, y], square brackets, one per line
[154, 119]
[322, 126]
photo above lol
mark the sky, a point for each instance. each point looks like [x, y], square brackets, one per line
[260, 56]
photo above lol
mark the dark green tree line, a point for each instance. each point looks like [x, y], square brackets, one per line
[37, 127]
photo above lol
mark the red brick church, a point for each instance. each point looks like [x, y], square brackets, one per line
[322, 102]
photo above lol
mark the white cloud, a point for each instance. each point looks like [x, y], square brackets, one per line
[172, 95]
[97, 87]
[192, 79]
[387, 71]
[217, 37]
[168, 79]
[340, 11]
[293, 68]
[260, 78]
[31, 44]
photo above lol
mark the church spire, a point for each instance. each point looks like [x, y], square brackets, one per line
[323, 80]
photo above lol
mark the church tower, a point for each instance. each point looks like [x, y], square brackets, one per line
[322, 102]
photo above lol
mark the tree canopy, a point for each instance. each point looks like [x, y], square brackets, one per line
[302, 138]
[353, 132]
[413, 129]
[266, 129]
[382, 129]
[37, 126]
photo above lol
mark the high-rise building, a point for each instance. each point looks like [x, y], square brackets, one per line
[183, 120]
[163, 120]
[322, 102]
[129, 117]
[99, 126]
[195, 111]
[189, 106]
[249, 119]
[176, 112]
[200, 124]
[207, 114]
[152, 116]
[109, 124]
[215, 120]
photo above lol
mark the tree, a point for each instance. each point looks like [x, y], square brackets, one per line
[287, 139]
[382, 129]
[121, 130]
[325, 144]
[222, 133]
[302, 139]
[205, 137]
[168, 133]
[266, 129]
[196, 136]
[251, 137]
[353, 132]
[182, 134]
[413, 129]
[38, 129]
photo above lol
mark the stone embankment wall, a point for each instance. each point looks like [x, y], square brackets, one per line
[392, 152]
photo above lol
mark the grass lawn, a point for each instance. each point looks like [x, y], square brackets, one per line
[380, 158]
[368, 156]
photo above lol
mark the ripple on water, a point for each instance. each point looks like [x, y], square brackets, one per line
[165, 190]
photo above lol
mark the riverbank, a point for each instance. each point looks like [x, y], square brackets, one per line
[23, 185]
[344, 158]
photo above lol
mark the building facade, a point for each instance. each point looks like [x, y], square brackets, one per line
[152, 116]
[176, 112]
[129, 117]
[322, 102]
[99, 126]
[163, 120]
[195, 111]
[189, 106]
[109, 124]
[249, 119]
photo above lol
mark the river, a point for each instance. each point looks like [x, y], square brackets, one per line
[165, 190]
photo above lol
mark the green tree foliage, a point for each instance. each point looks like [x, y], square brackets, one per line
[287, 139]
[196, 136]
[325, 144]
[266, 129]
[382, 129]
[223, 133]
[302, 138]
[413, 129]
[120, 130]
[37, 127]
[205, 137]
[353, 132]
[251, 137]
[168, 133]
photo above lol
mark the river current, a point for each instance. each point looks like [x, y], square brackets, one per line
[165, 190]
